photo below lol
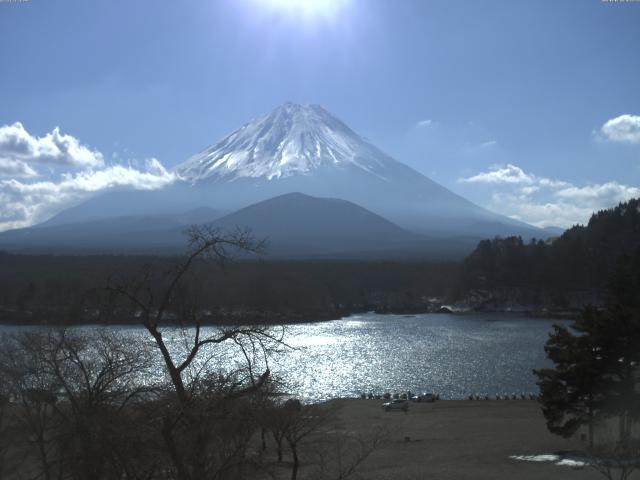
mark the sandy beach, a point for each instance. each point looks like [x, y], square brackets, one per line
[460, 440]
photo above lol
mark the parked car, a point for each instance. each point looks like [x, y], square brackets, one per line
[425, 397]
[396, 404]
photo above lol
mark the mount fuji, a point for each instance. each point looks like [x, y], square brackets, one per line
[293, 140]
[306, 149]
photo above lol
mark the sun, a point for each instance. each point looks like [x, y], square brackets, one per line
[307, 9]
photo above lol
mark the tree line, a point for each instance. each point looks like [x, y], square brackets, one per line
[570, 270]
[57, 289]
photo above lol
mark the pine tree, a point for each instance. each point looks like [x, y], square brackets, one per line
[596, 371]
[571, 392]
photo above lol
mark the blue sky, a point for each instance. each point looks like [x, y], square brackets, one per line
[504, 102]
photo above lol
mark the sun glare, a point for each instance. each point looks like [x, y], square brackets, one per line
[307, 9]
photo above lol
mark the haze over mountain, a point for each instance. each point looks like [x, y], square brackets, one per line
[555, 231]
[294, 225]
[153, 234]
[304, 148]
[298, 225]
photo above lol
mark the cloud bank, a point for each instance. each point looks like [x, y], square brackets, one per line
[54, 148]
[29, 196]
[625, 128]
[15, 168]
[510, 174]
[545, 202]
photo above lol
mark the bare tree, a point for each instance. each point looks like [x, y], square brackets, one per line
[312, 430]
[614, 462]
[69, 393]
[264, 410]
[98, 376]
[33, 398]
[5, 429]
[299, 422]
[204, 427]
[154, 309]
[344, 452]
[82, 401]
[611, 457]
[275, 419]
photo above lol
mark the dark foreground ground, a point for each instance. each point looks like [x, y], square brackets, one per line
[460, 440]
[445, 440]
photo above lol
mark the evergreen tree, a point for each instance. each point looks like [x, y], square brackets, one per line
[571, 392]
[596, 372]
[578, 262]
[620, 332]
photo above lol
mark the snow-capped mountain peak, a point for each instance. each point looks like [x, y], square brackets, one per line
[291, 140]
[304, 148]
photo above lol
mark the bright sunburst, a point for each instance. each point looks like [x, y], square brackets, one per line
[307, 9]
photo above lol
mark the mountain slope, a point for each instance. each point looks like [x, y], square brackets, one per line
[294, 225]
[304, 148]
[292, 139]
[298, 225]
[125, 234]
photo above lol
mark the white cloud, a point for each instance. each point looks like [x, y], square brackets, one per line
[15, 168]
[23, 204]
[490, 143]
[625, 128]
[424, 123]
[538, 212]
[26, 200]
[547, 202]
[595, 195]
[55, 148]
[510, 174]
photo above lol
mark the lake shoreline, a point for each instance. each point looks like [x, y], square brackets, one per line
[251, 317]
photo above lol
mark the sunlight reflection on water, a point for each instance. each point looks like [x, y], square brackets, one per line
[453, 355]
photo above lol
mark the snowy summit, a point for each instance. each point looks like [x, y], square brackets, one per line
[292, 139]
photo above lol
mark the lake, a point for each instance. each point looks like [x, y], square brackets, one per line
[453, 355]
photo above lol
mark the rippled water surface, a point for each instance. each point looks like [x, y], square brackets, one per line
[454, 355]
